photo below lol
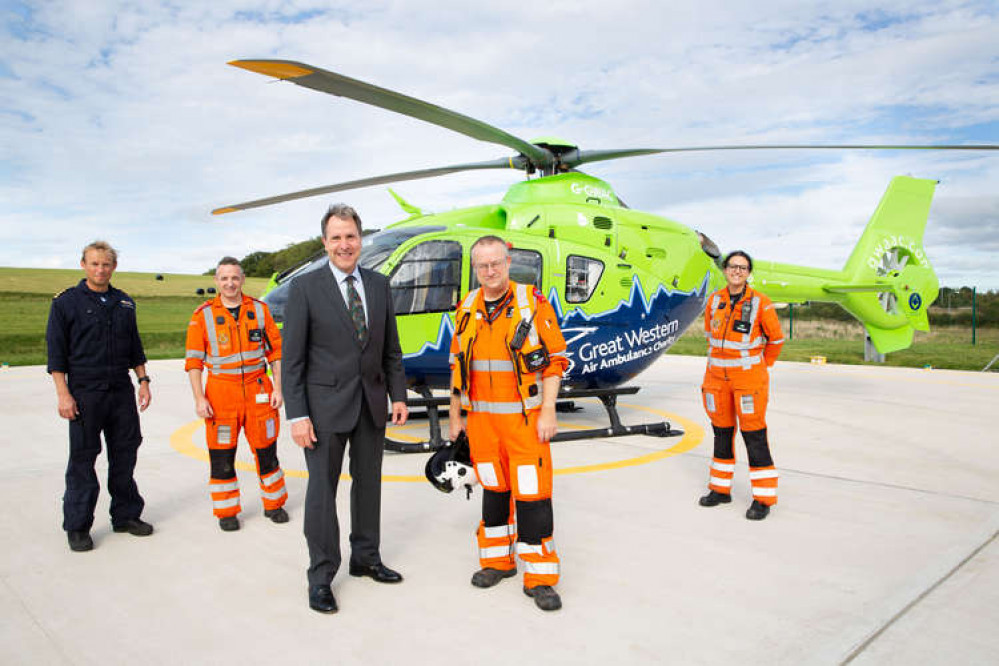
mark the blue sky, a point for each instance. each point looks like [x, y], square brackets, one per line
[121, 120]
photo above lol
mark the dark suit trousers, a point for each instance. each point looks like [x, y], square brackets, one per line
[322, 529]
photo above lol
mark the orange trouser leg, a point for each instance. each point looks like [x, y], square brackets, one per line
[262, 428]
[223, 486]
[497, 531]
[496, 546]
[762, 473]
[719, 403]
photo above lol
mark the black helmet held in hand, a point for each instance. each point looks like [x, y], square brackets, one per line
[451, 467]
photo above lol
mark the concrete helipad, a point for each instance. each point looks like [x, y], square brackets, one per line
[882, 549]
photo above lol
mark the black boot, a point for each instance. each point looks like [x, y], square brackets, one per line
[757, 510]
[714, 498]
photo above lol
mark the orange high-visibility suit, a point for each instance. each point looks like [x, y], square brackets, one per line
[744, 339]
[502, 395]
[238, 389]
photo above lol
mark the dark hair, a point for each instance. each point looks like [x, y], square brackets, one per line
[738, 253]
[343, 212]
[229, 261]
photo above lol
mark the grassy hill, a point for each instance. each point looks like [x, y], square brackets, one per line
[164, 308]
[50, 281]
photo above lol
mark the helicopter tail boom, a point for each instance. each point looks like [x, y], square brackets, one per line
[887, 283]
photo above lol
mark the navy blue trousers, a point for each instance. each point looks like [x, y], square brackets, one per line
[112, 412]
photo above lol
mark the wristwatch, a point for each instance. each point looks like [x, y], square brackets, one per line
[144, 378]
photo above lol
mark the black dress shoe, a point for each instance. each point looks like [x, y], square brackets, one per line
[757, 510]
[321, 599]
[80, 541]
[714, 498]
[135, 527]
[378, 572]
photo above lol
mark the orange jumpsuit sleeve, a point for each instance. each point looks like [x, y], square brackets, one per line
[707, 317]
[551, 334]
[771, 329]
[194, 358]
[273, 336]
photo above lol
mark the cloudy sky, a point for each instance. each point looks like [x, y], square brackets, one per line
[122, 120]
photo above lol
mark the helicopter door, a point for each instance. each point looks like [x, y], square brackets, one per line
[425, 283]
[427, 278]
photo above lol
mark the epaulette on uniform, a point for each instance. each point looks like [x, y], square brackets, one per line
[202, 307]
[539, 296]
[55, 296]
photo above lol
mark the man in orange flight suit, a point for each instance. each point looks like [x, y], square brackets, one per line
[234, 337]
[744, 339]
[507, 360]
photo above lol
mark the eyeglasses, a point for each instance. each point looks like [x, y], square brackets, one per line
[490, 266]
[740, 268]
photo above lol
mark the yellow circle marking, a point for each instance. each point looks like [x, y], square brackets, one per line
[182, 441]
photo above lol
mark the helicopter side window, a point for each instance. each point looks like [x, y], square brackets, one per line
[427, 278]
[525, 268]
[581, 277]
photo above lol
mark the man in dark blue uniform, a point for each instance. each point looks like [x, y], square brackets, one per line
[93, 341]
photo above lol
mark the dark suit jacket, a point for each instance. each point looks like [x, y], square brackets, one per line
[325, 372]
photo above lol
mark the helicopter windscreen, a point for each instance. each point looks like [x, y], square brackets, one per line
[377, 247]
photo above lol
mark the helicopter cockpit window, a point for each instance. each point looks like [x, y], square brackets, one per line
[581, 277]
[427, 278]
[525, 268]
[377, 247]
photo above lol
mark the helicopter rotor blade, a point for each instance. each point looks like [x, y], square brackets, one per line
[518, 162]
[325, 81]
[585, 156]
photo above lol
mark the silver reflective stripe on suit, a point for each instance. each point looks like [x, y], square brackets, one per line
[213, 339]
[745, 362]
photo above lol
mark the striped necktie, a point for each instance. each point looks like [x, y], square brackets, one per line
[356, 311]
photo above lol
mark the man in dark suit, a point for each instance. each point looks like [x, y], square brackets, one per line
[341, 358]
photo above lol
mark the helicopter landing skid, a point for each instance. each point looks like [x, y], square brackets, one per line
[608, 398]
[566, 403]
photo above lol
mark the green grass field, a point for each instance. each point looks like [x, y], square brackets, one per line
[945, 347]
[165, 307]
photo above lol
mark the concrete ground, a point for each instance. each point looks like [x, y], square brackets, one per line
[882, 549]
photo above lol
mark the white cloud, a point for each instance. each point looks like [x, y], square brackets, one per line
[121, 120]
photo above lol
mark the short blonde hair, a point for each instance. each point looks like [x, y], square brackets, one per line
[101, 246]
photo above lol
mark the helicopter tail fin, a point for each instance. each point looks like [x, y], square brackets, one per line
[887, 283]
[890, 258]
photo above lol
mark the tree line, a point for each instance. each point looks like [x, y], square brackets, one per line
[264, 264]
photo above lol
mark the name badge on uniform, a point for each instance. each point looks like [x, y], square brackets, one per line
[255, 335]
[263, 398]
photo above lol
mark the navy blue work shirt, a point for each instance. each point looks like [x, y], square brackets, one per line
[94, 342]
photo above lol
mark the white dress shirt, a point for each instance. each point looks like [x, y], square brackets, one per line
[341, 281]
